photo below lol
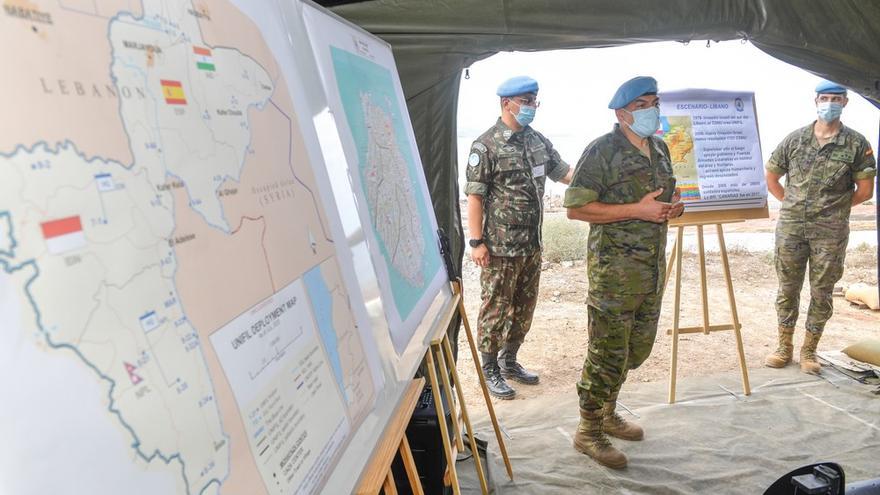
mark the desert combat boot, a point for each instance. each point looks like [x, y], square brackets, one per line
[809, 362]
[782, 356]
[614, 425]
[591, 440]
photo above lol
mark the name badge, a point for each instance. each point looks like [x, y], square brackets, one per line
[538, 171]
[843, 155]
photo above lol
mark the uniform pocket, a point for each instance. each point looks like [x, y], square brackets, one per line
[511, 164]
[519, 213]
[837, 175]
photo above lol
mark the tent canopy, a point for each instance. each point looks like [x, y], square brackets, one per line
[434, 40]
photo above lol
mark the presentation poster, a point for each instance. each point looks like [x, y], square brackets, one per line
[715, 148]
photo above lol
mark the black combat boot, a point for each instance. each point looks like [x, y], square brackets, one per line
[494, 381]
[512, 370]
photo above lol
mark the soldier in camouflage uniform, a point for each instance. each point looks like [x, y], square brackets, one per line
[829, 169]
[618, 187]
[506, 171]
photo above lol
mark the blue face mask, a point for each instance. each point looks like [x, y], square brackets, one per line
[829, 111]
[526, 115]
[645, 121]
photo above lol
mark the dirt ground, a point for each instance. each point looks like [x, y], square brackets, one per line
[557, 342]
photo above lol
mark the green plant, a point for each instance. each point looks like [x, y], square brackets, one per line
[564, 239]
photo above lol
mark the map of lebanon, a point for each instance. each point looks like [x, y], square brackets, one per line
[199, 231]
[677, 131]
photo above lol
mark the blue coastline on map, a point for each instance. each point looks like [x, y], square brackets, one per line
[356, 75]
[322, 305]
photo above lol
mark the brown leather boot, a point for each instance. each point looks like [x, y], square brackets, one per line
[614, 425]
[782, 356]
[591, 440]
[809, 361]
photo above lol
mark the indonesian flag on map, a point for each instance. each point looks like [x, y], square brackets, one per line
[64, 234]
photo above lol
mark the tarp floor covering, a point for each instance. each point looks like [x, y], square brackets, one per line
[712, 440]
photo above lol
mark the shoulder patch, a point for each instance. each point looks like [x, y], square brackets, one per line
[474, 160]
[479, 147]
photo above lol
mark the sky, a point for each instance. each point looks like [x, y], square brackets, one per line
[576, 85]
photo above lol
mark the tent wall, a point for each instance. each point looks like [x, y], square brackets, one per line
[434, 40]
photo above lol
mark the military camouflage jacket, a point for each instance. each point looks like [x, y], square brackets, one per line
[508, 169]
[820, 181]
[626, 257]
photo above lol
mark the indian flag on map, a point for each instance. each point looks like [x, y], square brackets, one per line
[173, 92]
[63, 234]
[204, 60]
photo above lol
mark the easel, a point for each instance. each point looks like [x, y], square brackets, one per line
[440, 362]
[377, 474]
[699, 220]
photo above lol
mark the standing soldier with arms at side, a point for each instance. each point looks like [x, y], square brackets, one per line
[623, 186]
[506, 171]
[829, 168]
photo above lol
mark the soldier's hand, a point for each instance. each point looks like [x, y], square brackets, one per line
[480, 255]
[675, 210]
[651, 210]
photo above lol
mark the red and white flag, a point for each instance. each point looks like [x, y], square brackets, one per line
[64, 234]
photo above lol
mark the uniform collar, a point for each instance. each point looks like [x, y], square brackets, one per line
[840, 140]
[622, 140]
[506, 132]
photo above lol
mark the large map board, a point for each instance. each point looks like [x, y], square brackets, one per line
[182, 311]
[366, 99]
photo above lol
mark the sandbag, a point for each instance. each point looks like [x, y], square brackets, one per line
[866, 351]
[864, 294]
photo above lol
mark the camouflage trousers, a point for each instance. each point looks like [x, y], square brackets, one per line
[509, 293]
[622, 328]
[825, 258]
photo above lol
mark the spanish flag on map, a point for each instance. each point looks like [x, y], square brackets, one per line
[173, 92]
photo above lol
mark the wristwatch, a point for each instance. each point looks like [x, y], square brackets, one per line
[475, 242]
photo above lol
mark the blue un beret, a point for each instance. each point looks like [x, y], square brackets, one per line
[517, 85]
[829, 87]
[631, 90]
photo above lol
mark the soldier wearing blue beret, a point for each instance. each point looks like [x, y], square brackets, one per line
[506, 171]
[829, 168]
[616, 188]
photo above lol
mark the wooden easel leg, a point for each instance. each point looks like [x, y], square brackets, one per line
[670, 263]
[441, 417]
[747, 390]
[484, 486]
[409, 463]
[388, 487]
[673, 368]
[476, 357]
[447, 389]
[703, 289]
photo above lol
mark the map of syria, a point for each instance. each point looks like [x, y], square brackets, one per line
[391, 196]
[132, 231]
